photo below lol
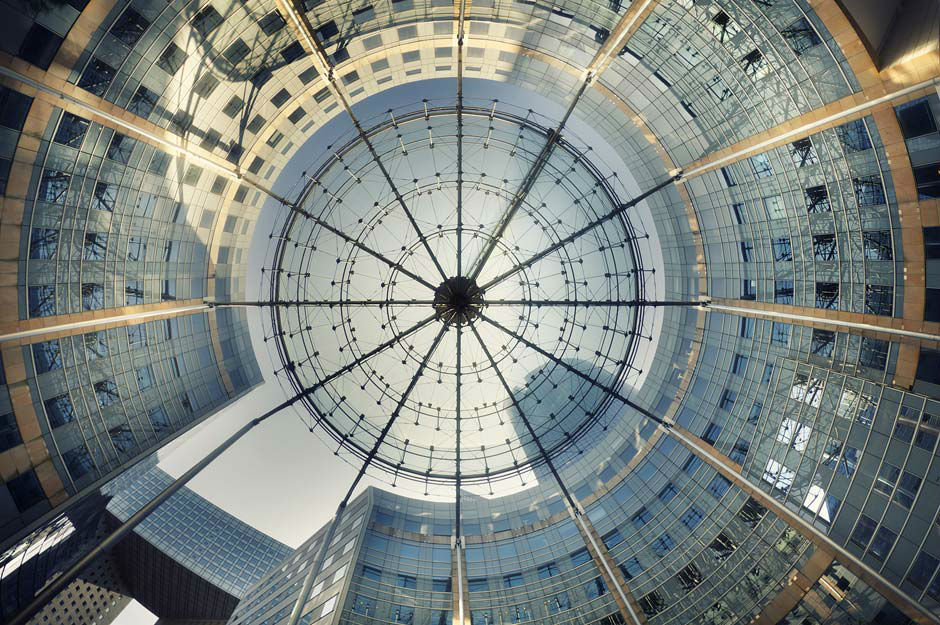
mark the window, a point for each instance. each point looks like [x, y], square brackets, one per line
[722, 547]
[783, 291]
[803, 153]
[595, 588]
[854, 136]
[663, 545]
[747, 251]
[728, 397]
[775, 207]
[752, 512]
[925, 439]
[104, 197]
[40, 46]
[689, 577]
[849, 462]
[145, 378]
[136, 249]
[739, 364]
[824, 247]
[652, 604]
[71, 130]
[915, 118]
[882, 543]
[47, 356]
[134, 293]
[755, 65]
[122, 438]
[78, 462]
[477, 585]
[106, 392]
[907, 489]
[97, 77]
[271, 23]
[728, 175]
[877, 245]
[372, 573]
[142, 102]
[96, 243]
[547, 570]
[96, 345]
[718, 487]
[746, 328]
[740, 214]
[824, 506]
[777, 475]
[922, 571]
[879, 300]
[692, 517]
[927, 179]
[869, 190]
[822, 343]
[579, 557]
[761, 165]
[782, 250]
[129, 28]
[800, 36]
[407, 581]
[668, 493]
[9, 432]
[121, 148]
[631, 568]
[827, 295]
[873, 353]
[92, 296]
[25, 490]
[711, 433]
[43, 243]
[748, 289]
[641, 518]
[817, 200]
[53, 186]
[739, 451]
[59, 410]
[207, 20]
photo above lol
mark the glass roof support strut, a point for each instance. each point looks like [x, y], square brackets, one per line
[58, 584]
[299, 18]
[720, 463]
[581, 231]
[314, 571]
[573, 504]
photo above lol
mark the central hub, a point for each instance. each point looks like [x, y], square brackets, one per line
[458, 301]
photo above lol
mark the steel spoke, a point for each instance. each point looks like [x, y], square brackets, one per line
[525, 420]
[354, 242]
[617, 303]
[526, 186]
[609, 390]
[460, 36]
[579, 233]
[327, 303]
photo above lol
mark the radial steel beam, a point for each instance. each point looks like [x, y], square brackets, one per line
[325, 303]
[580, 232]
[721, 463]
[295, 207]
[609, 303]
[325, 66]
[314, 571]
[572, 502]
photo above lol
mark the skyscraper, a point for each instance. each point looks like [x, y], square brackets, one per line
[708, 226]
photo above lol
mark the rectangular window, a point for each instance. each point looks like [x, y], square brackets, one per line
[106, 392]
[824, 247]
[663, 545]
[78, 462]
[59, 410]
[641, 518]
[877, 245]
[95, 344]
[927, 179]
[783, 291]
[882, 543]
[271, 23]
[722, 547]
[133, 293]
[854, 136]
[172, 59]
[777, 475]
[9, 432]
[822, 343]
[747, 251]
[740, 214]
[803, 153]
[755, 65]
[739, 364]
[727, 400]
[43, 243]
[827, 295]
[915, 118]
[71, 130]
[729, 177]
[782, 250]
[711, 433]
[718, 487]
[748, 289]
[207, 20]
[739, 451]
[145, 378]
[775, 207]
[97, 77]
[879, 300]
[96, 243]
[92, 296]
[800, 36]
[47, 356]
[668, 493]
[817, 200]
[868, 190]
[761, 165]
[692, 517]
[104, 197]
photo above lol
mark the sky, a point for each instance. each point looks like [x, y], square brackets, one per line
[280, 478]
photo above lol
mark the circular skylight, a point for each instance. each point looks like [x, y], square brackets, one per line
[446, 318]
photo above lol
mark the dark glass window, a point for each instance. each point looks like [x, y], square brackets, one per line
[932, 242]
[95, 246]
[96, 345]
[106, 392]
[78, 462]
[652, 604]
[59, 410]
[97, 77]
[547, 570]
[783, 291]
[854, 136]
[122, 438]
[53, 186]
[803, 153]
[800, 36]
[727, 400]
[631, 568]
[236, 52]
[205, 85]
[823, 342]
[869, 190]
[754, 64]
[92, 296]
[739, 364]
[915, 118]
[761, 165]
[722, 547]
[877, 244]
[579, 557]
[668, 493]
[595, 588]
[293, 52]
[136, 336]
[927, 179]
[143, 102]
[40, 46]
[641, 518]
[748, 289]
[280, 98]
[817, 200]
[41, 301]
[825, 247]
[740, 215]
[689, 577]
[145, 378]
[9, 432]
[25, 490]
[921, 573]
[612, 538]
[207, 20]
[692, 517]
[327, 30]
[827, 295]
[747, 251]
[47, 356]
[14, 107]
[271, 23]
[879, 300]
[718, 487]
[513, 580]
[882, 543]
[873, 353]
[729, 177]
[129, 28]
[663, 545]
[133, 293]
[43, 243]
[407, 581]
[477, 585]
[752, 512]
[136, 248]
[121, 148]
[863, 531]
[739, 451]
[441, 585]
[71, 130]
[105, 197]
[783, 252]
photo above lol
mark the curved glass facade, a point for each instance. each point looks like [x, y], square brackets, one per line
[761, 452]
